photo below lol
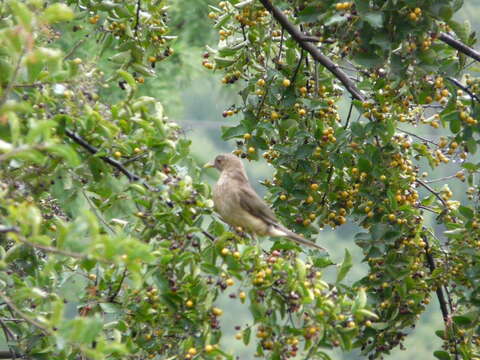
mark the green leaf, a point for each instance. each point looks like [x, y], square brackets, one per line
[246, 335]
[232, 132]
[128, 78]
[22, 14]
[67, 153]
[466, 211]
[442, 355]
[57, 13]
[335, 19]
[345, 266]
[375, 19]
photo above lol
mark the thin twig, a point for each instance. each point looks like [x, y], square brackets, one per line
[298, 36]
[458, 45]
[349, 115]
[208, 235]
[281, 45]
[428, 209]
[96, 212]
[74, 48]
[24, 316]
[54, 250]
[8, 337]
[93, 150]
[441, 179]
[117, 291]
[297, 68]
[417, 136]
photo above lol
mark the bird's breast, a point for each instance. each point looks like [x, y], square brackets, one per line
[227, 204]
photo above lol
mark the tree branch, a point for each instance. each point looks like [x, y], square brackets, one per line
[117, 291]
[313, 50]
[458, 45]
[93, 150]
[436, 194]
[464, 88]
[137, 16]
[25, 317]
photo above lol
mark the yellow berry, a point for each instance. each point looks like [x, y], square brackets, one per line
[283, 197]
[247, 136]
[251, 149]
[286, 82]
[189, 303]
[217, 312]
[192, 351]
[261, 82]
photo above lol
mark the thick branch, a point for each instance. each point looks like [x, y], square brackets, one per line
[313, 50]
[93, 150]
[5, 354]
[458, 45]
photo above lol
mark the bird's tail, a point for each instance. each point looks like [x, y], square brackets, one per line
[297, 238]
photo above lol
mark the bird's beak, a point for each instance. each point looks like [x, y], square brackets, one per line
[208, 165]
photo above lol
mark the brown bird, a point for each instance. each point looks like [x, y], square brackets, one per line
[240, 206]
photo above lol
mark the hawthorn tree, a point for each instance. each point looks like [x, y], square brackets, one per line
[109, 247]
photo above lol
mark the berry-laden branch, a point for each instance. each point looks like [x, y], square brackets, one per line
[304, 42]
[93, 150]
[458, 45]
[464, 88]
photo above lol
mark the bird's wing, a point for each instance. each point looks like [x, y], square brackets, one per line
[251, 202]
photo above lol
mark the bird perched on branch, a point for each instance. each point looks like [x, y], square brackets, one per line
[240, 206]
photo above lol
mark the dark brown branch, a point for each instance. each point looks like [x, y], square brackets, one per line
[417, 136]
[435, 193]
[313, 50]
[137, 16]
[5, 354]
[117, 291]
[439, 291]
[208, 235]
[458, 45]
[93, 150]
[440, 295]
[464, 88]
[297, 68]
[25, 317]
[9, 336]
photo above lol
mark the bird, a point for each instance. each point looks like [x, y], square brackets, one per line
[239, 205]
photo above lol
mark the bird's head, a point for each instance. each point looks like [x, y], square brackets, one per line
[225, 161]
